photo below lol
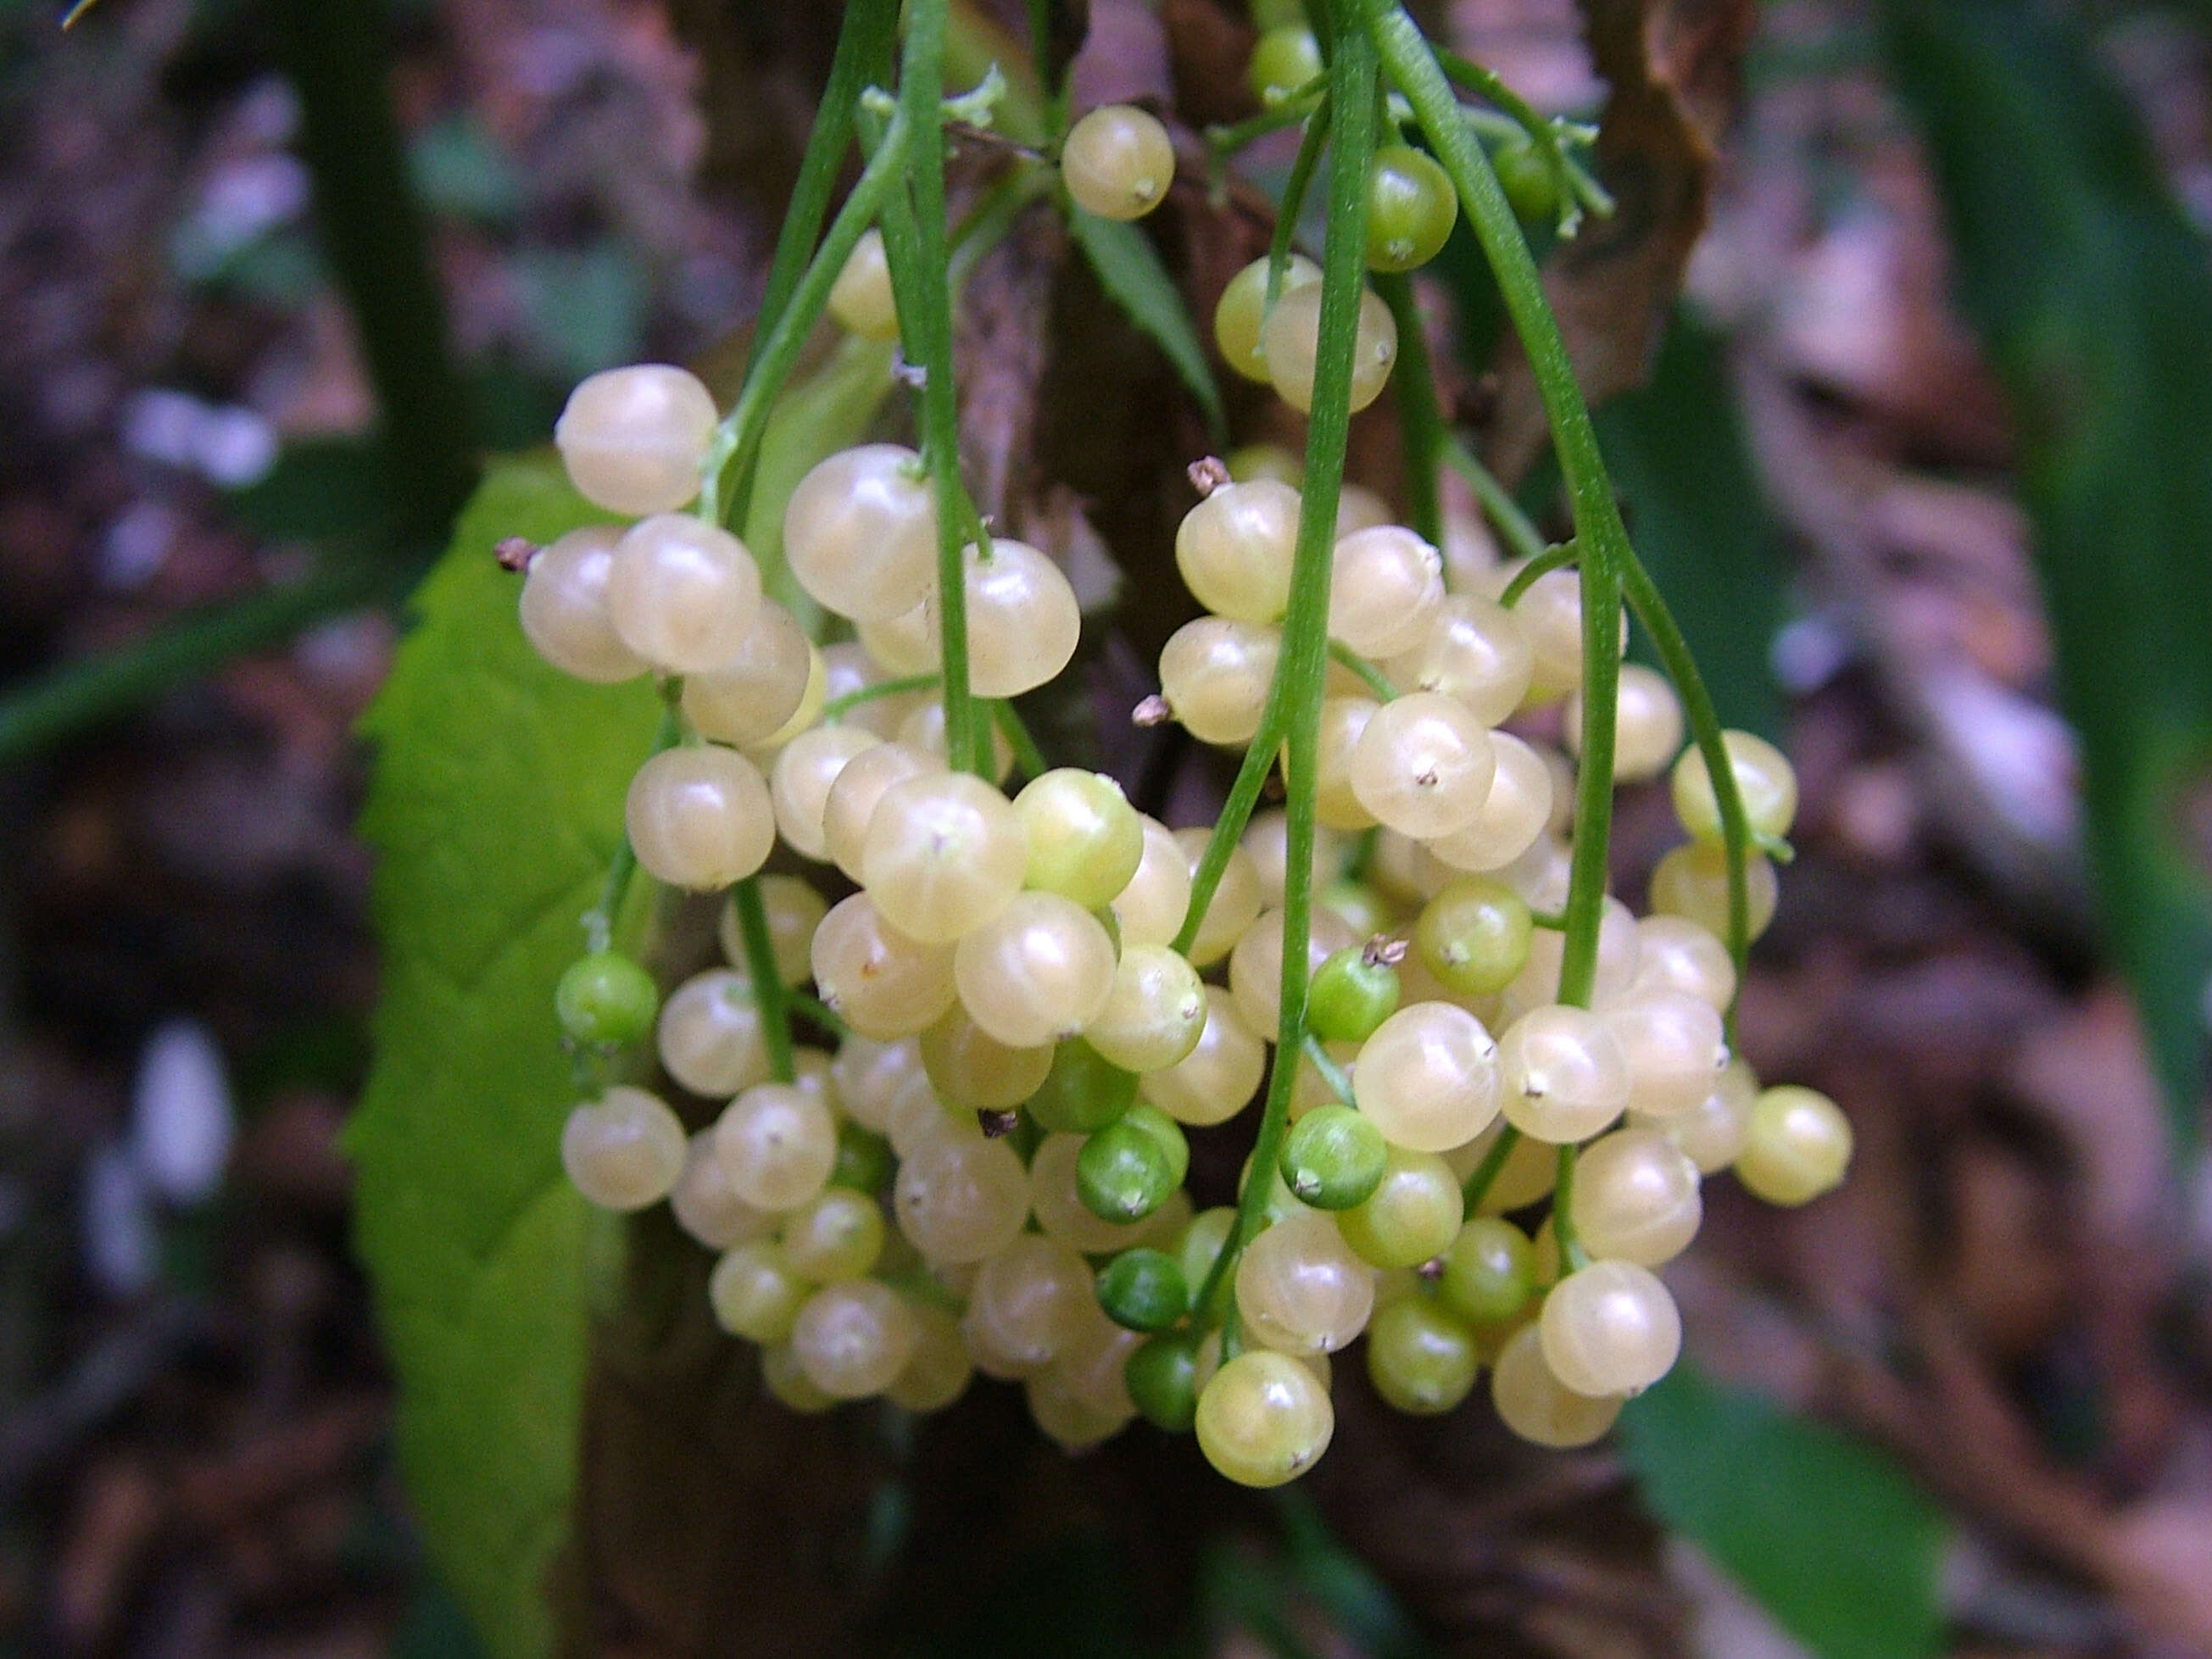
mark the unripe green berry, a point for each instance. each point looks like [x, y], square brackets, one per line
[1488, 1271]
[1411, 209]
[1165, 1131]
[1527, 181]
[1473, 935]
[1201, 1243]
[1285, 59]
[1123, 1174]
[606, 1000]
[1412, 1214]
[1351, 996]
[1421, 1359]
[1084, 1092]
[864, 1159]
[1163, 1381]
[1334, 1157]
[1143, 1290]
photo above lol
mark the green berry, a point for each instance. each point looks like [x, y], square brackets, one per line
[1411, 209]
[1285, 59]
[1163, 1381]
[1421, 1359]
[1351, 996]
[1143, 1290]
[1528, 183]
[1357, 904]
[1412, 1214]
[1201, 1243]
[1488, 1271]
[1334, 1157]
[606, 999]
[1123, 1174]
[1166, 1131]
[864, 1159]
[1473, 935]
[1084, 1092]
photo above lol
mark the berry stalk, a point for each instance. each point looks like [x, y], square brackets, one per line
[1301, 672]
[914, 241]
[1420, 421]
[1705, 722]
[768, 992]
[736, 439]
[1599, 531]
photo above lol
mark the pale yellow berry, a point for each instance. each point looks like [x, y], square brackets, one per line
[861, 298]
[699, 817]
[1536, 1406]
[634, 440]
[1118, 162]
[624, 1150]
[1797, 1145]
[1291, 337]
[1218, 1077]
[564, 608]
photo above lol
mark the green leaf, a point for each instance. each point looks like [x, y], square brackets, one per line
[496, 806]
[1834, 1539]
[1678, 456]
[2092, 296]
[1131, 272]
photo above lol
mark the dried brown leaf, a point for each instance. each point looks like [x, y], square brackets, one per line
[1672, 67]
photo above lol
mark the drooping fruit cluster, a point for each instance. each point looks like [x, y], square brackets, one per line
[1030, 999]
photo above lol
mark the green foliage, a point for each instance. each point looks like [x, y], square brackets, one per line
[2091, 294]
[1833, 1538]
[1133, 277]
[496, 805]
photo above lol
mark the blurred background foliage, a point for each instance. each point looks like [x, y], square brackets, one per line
[1918, 452]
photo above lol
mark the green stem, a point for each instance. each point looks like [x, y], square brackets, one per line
[737, 439]
[1027, 755]
[1331, 1074]
[837, 707]
[771, 995]
[864, 52]
[1376, 681]
[815, 1009]
[1598, 528]
[1505, 513]
[1301, 672]
[1550, 559]
[1224, 142]
[1572, 1256]
[1541, 132]
[598, 921]
[1420, 421]
[1704, 721]
[1294, 198]
[1229, 824]
[1486, 1173]
[915, 244]
[1587, 872]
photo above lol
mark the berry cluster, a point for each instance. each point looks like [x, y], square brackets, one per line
[987, 1173]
